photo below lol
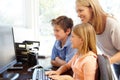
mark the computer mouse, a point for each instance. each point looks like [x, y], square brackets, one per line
[37, 66]
[32, 68]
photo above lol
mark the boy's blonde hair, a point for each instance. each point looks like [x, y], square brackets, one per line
[86, 32]
[98, 13]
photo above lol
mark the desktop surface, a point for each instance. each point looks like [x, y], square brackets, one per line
[24, 74]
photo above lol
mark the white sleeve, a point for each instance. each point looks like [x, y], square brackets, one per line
[115, 35]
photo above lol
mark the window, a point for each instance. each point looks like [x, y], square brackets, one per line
[51, 9]
[18, 14]
[112, 7]
[48, 10]
[37, 14]
[12, 12]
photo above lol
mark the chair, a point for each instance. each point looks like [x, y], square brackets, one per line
[105, 70]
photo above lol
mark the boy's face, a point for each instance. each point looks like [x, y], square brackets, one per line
[59, 33]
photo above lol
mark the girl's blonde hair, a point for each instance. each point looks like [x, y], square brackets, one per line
[97, 15]
[86, 32]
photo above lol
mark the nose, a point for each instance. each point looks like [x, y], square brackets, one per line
[71, 39]
[55, 33]
[78, 14]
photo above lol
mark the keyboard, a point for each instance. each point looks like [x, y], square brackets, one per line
[39, 74]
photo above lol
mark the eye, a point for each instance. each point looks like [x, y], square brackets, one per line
[80, 10]
[72, 36]
[57, 30]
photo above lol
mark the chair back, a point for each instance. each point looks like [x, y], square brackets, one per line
[105, 70]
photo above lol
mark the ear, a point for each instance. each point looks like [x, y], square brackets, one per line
[81, 40]
[90, 9]
[68, 31]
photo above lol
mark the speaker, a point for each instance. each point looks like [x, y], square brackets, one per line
[32, 58]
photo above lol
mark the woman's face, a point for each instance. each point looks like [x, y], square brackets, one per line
[85, 13]
[76, 41]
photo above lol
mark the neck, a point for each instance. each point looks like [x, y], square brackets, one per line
[63, 41]
[103, 25]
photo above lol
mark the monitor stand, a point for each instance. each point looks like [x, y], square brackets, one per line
[10, 75]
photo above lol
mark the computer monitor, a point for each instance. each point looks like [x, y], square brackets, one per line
[7, 50]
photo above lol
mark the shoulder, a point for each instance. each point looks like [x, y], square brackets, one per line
[90, 61]
[111, 22]
[68, 42]
[90, 57]
[57, 43]
[91, 54]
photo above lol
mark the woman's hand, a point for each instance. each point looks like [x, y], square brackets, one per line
[61, 77]
[107, 56]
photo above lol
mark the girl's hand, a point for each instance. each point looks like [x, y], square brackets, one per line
[61, 77]
[49, 73]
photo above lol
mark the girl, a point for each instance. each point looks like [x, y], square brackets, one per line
[84, 62]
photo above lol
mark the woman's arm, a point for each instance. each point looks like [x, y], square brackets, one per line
[115, 38]
[115, 58]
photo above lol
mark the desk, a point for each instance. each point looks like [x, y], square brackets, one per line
[25, 75]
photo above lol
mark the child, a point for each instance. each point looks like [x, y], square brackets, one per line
[84, 63]
[62, 51]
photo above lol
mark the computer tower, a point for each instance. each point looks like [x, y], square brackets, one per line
[24, 48]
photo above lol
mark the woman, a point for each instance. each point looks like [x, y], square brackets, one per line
[106, 27]
[84, 62]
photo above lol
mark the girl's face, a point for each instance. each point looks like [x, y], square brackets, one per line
[77, 42]
[59, 33]
[85, 13]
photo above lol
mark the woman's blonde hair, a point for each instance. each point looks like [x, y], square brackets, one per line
[97, 15]
[86, 32]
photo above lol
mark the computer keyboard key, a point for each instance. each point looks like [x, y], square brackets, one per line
[39, 74]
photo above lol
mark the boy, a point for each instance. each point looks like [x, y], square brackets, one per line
[62, 51]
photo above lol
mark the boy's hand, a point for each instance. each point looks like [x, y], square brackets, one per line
[57, 59]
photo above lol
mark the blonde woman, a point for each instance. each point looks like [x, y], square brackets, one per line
[106, 28]
[84, 62]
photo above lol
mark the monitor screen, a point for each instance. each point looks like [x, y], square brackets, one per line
[7, 49]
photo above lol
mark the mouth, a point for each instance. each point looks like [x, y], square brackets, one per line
[82, 18]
